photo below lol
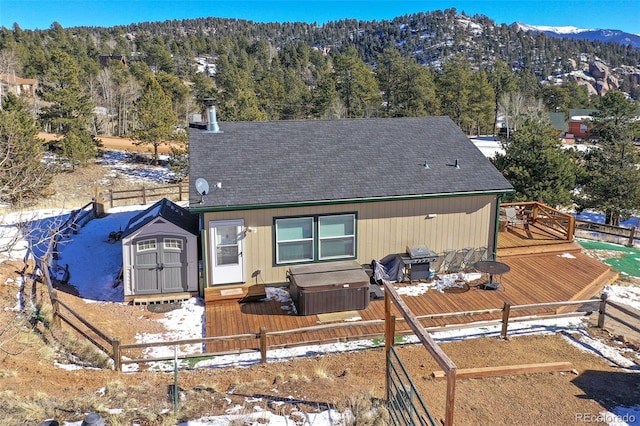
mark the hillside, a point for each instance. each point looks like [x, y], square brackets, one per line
[431, 38]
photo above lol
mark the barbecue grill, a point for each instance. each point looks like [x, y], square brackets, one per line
[418, 261]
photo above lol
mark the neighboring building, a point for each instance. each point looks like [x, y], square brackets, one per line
[17, 85]
[275, 194]
[105, 59]
[579, 122]
[558, 122]
[160, 252]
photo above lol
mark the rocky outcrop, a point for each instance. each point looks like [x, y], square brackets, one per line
[599, 78]
[598, 70]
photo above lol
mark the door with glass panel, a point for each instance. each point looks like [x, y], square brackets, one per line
[227, 260]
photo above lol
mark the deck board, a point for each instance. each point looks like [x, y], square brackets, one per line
[544, 268]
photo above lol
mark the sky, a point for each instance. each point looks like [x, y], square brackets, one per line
[40, 14]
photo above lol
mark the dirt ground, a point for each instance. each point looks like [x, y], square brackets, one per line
[114, 142]
[318, 382]
[29, 369]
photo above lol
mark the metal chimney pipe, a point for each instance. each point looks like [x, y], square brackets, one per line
[213, 120]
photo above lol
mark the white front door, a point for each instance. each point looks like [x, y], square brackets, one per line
[227, 259]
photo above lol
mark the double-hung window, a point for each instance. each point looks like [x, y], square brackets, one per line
[315, 238]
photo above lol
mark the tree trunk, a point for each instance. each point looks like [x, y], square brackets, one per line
[612, 218]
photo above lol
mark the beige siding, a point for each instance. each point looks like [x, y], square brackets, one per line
[382, 228]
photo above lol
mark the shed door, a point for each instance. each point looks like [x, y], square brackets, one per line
[160, 265]
[227, 244]
[146, 266]
[173, 268]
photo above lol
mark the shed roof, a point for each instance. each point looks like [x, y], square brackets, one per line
[167, 210]
[311, 161]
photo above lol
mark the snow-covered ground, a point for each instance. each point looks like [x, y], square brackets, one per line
[490, 146]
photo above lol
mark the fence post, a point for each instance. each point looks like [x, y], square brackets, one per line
[117, 365]
[263, 345]
[144, 195]
[111, 198]
[632, 235]
[389, 341]
[506, 309]
[179, 192]
[603, 310]
[56, 308]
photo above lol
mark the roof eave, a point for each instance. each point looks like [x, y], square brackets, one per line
[210, 209]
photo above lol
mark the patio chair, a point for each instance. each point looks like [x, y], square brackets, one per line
[512, 217]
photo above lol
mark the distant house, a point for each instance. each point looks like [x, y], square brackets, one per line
[160, 252]
[558, 121]
[275, 194]
[105, 59]
[579, 122]
[17, 85]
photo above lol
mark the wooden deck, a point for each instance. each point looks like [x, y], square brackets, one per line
[545, 267]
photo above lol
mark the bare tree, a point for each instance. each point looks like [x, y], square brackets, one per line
[514, 107]
[8, 65]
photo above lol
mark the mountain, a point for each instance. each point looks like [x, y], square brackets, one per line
[615, 36]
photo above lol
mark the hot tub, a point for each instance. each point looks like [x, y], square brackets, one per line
[329, 287]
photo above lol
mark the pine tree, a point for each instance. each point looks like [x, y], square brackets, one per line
[156, 120]
[23, 175]
[454, 90]
[537, 166]
[612, 184]
[70, 110]
[481, 103]
[356, 85]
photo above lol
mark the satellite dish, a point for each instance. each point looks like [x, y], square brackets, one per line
[202, 186]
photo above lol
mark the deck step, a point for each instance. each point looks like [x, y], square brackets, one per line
[561, 247]
[235, 293]
[592, 290]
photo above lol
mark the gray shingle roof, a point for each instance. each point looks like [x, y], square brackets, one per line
[305, 161]
[168, 210]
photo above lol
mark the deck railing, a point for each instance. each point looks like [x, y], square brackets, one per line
[537, 213]
[609, 233]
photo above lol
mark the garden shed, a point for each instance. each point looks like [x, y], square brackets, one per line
[160, 253]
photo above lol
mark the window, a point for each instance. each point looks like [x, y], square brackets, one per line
[336, 236]
[146, 245]
[172, 243]
[316, 238]
[294, 240]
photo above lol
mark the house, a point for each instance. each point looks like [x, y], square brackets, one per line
[579, 122]
[275, 194]
[17, 85]
[160, 253]
[106, 59]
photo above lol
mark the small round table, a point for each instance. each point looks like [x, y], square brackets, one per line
[492, 268]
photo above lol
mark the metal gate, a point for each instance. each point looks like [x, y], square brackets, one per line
[406, 407]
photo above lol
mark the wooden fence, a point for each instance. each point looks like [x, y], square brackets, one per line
[143, 195]
[608, 233]
[116, 349]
